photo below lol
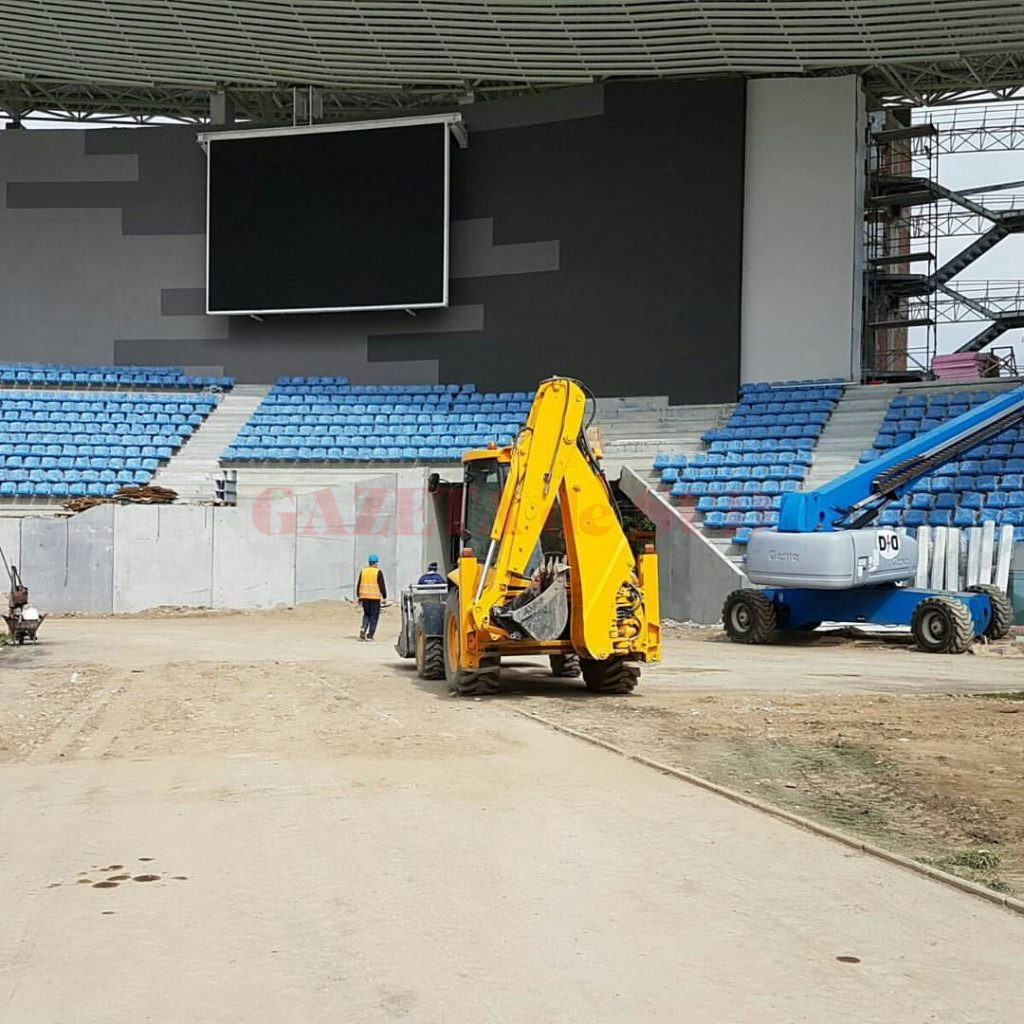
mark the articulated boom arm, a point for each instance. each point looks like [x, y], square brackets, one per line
[551, 459]
[855, 498]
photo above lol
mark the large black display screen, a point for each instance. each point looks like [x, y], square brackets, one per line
[307, 221]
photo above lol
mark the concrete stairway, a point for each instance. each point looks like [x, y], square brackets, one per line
[634, 430]
[850, 429]
[194, 470]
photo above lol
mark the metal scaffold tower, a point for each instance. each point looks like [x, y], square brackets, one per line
[908, 211]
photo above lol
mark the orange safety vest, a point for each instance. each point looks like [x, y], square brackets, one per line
[369, 588]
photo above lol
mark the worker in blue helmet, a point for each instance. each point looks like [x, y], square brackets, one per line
[370, 592]
[431, 575]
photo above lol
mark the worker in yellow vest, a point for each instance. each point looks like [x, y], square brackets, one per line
[370, 592]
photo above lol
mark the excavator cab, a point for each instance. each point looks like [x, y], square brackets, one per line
[545, 567]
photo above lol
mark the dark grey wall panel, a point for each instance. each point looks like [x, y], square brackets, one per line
[595, 232]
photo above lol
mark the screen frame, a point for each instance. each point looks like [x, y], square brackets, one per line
[453, 124]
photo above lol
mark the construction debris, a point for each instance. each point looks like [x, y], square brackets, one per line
[146, 494]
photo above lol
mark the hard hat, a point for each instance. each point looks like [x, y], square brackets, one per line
[432, 567]
[373, 559]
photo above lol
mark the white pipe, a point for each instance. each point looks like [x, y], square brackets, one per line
[988, 543]
[953, 559]
[924, 556]
[1002, 580]
[973, 555]
[938, 580]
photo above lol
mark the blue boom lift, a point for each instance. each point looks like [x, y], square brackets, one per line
[825, 564]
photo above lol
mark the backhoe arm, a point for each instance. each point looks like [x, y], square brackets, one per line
[552, 460]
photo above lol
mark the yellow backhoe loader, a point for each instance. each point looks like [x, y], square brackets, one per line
[546, 568]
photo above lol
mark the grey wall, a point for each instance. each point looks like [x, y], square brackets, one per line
[292, 549]
[596, 232]
[802, 229]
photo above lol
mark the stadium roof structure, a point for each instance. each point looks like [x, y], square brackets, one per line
[165, 57]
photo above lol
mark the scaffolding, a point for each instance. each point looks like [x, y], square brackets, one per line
[901, 243]
[907, 293]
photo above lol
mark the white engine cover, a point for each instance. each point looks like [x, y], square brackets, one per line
[830, 561]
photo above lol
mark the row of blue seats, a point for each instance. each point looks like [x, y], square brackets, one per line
[375, 441]
[966, 499]
[939, 481]
[891, 434]
[799, 444]
[739, 503]
[922, 417]
[127, 474]
[732, 459]
[729, 520]
[363, 419]
[793, 471]
[350, 453]
[899, 432]
[68, 463]
[963, 517]
[284, 382]
[769, 385]
[49, 403]
[784, 419]
[698, 488]
[49, 489]
[983, 482]
[12, 455]
[778, 432]
[809, 393]
[386, 408]
[82, 378]
[43, 419]
[16, 440]
[937, 401]
[775, 408]
[995, 450]
[381, 393]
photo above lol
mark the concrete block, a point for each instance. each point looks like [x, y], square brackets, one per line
[67, 563]
[162, 556]
[251, 568]
[325, 545]
[10, 543]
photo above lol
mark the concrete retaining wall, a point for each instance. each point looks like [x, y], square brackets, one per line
[281, 549]
[694, 575]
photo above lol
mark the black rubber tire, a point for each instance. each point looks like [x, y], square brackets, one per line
[613, 675]
[565, 666]
[481, 682]
[1002, 610]
[942, 625]
[429, 655]
[749, 617]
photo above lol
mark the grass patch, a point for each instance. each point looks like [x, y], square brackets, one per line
[1009, 695]
[975, 865]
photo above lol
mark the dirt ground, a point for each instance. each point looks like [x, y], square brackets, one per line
[891, 747]
[922, 754]
[318, 831]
